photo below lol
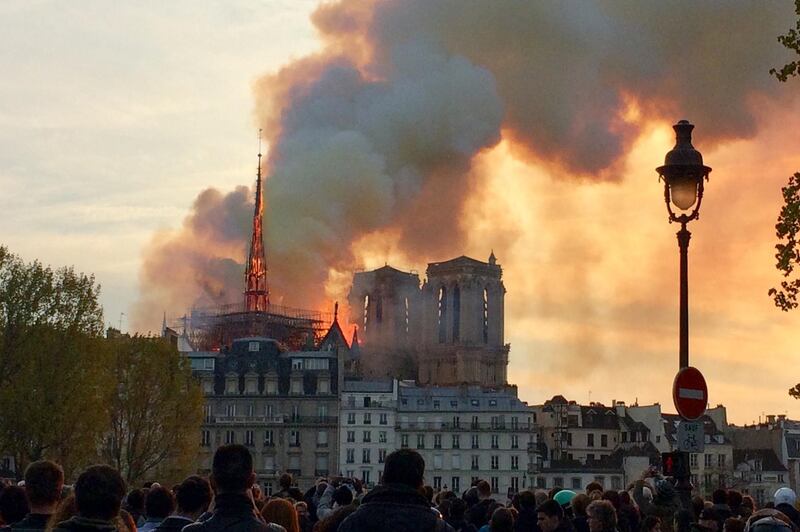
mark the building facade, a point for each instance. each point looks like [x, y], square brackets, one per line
[467, 433]
[368, 415]
[283, 405]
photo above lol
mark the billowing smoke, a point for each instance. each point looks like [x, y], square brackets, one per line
[378, 130]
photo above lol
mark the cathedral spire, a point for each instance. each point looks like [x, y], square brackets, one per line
[256, 293]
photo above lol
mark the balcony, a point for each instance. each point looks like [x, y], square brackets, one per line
[275, 420]
[432, 425]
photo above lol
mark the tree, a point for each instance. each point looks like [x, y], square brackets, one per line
[791, 40]
[53, 381]
[156, 411]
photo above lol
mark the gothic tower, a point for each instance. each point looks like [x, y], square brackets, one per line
[256, 293]
[462, 333]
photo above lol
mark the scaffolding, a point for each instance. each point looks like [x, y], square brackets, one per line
[210, 329]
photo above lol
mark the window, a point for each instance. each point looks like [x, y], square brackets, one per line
[456, 483]
[367, 401]
[351, 456]
[367, 418]
[322, 438]
[437, 483]
[295, 413]
[442, 315]
[485, 316]
[322, 411]
[604, 440]
[721, 460]
[253, 346]
[590, 457]
[515, 423]
[515, 484]
[515, 462]
[230, 410]
[382, 436]
[367, 436]
[456, 461]
[474, 441]
[297, 363]
[454, 404]
[437, 404]
[514, 441]
[495, 422]
[475, 461]
[495, 462]
[495, 441]
[495, 484]
[420, 441]
[404, 441]
[294, 438]
[249, 436]
[708, 480]
[616, 483]
[541, 482]
[456, 441]
[230, 437]
[381, 456]
[456, 422]
[693, 460]
[383, 419]
[709, 460]
[351, 436]
[576, 483]
[206, 438]
[569, 439]
[208, 413]
[268, 439]
[365, 476]
[590, 440]
[351, 418]
[600, 480]
[624, 437]
[365, 456]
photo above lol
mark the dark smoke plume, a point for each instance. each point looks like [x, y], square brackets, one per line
[379, 129]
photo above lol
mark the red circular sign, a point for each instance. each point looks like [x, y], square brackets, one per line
[690, 393]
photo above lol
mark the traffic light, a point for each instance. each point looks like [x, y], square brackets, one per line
[675, 464]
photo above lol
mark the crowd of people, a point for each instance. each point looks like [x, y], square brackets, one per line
[231, 500]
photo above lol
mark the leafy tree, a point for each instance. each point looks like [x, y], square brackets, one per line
[53, 382]
[791, 40]
[156, 411]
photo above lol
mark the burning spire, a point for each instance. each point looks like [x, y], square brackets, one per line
[256, 292]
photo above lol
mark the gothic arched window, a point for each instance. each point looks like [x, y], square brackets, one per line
[485, 316]
[442, 315]
[456, 313]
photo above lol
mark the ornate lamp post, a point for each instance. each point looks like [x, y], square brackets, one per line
[683, 174]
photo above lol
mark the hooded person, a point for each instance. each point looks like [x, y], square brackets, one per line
[785, 500]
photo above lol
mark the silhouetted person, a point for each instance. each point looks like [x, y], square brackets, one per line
[232, 476]
[44, 481]
[13, 505]
[397, 505]
[550, 517]
[158, 505]
[192, 497]
[479, 514]
[98, 498]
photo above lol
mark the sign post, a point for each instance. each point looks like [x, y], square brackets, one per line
[690, 395]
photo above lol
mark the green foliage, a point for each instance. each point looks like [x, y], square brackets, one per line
[794, 391]
[790, 40]
[156, 411]
[53, 380]
[788, 255]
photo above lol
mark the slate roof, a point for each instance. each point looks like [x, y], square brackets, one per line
[375, 386]
[769, 460]
[599, 417]
[793, 445]
[468, 399]
[670, 422]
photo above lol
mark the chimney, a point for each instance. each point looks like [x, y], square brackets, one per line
[771, 419]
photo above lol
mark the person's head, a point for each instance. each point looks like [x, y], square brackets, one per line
[734, 499]
[593, 486]
[549, 515]
[44, 481]
[651, 523]
[232, 469]
[301, 508]
[13, 504]
[769, 520]
[579, 504]
[697, 506]
[404, 466]
[285, 481]
[134, 502]
[281, 512]
[785, 496]
[602, 516]
[612, 497]
[193, 496]
[99, 492]
[526, 500]
[158, 503]
[427, 491]
[749, 503]
[541, 496]
[733, 524]
[502, 520]
[343, 495]
[484, 489]
[719, 496]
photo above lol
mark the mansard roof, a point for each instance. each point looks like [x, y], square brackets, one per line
[769, 460]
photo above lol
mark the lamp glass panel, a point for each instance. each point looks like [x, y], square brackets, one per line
[683, 193]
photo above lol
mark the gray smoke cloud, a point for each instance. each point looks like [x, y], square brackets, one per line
[379, 129]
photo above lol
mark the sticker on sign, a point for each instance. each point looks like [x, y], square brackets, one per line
[690, 393]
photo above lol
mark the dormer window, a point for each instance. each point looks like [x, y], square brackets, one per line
[297, 363]
[253, 347]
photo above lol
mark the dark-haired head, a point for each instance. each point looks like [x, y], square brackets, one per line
[13, 504]
[232, 469]
[404, 466]
[158, 503]
[99, 492]
[44, 481]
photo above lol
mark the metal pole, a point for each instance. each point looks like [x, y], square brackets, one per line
[683, 243]
[683, 483]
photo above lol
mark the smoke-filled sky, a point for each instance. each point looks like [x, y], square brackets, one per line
[410, 131]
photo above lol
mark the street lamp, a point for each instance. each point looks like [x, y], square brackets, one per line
[683, 174]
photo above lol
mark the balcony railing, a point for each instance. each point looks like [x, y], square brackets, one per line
[466, 427]
[274, 420]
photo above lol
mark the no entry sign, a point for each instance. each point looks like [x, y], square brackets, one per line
[690, 393]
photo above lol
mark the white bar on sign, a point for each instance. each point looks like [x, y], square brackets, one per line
[689, 393]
